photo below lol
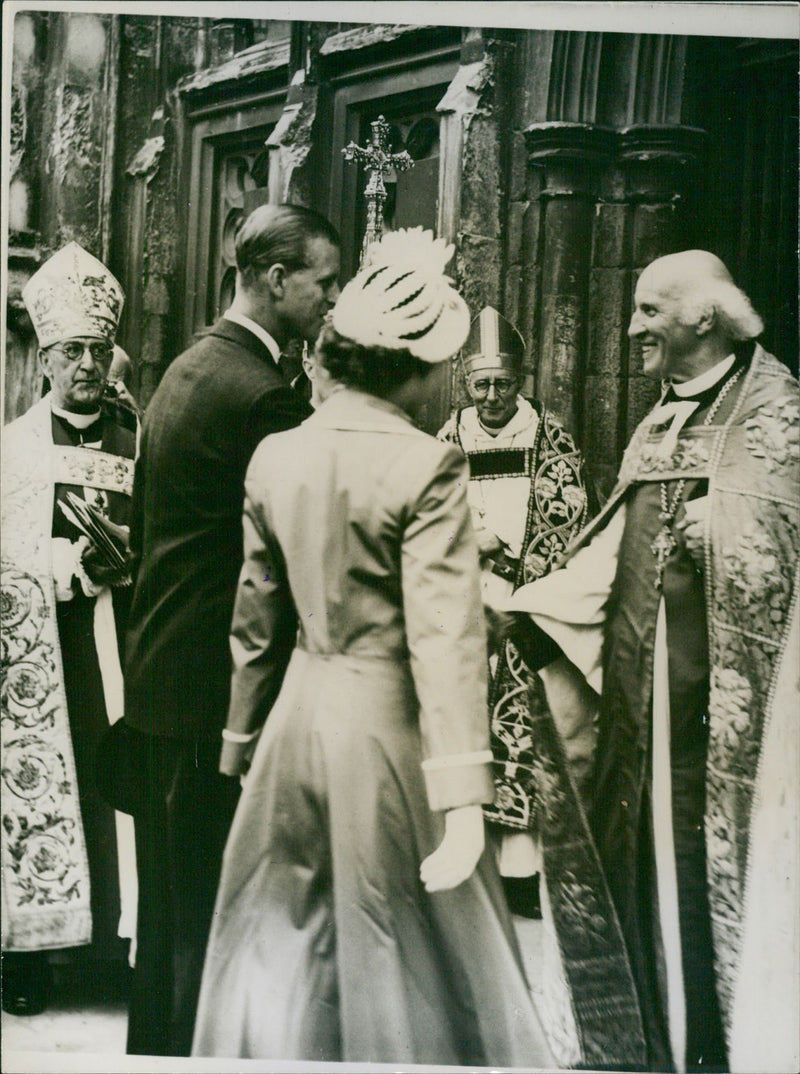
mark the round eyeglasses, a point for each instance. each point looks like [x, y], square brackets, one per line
[74, 351]
[502, 385]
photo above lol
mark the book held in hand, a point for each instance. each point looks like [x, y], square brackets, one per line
[109, 539]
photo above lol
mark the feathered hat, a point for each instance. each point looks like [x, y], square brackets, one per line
[73, 294]
[401, 299]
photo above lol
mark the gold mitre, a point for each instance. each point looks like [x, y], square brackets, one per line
[73, 294]
[493, 343]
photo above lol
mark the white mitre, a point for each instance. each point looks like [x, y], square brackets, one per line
[73, 294]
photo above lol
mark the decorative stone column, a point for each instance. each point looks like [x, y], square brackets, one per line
[62, 109]
[572, 157]
[467, 165]
[22, 385]
[290, 143]
[658, 163]
[659, 167]
[79, 124]
[146, 299]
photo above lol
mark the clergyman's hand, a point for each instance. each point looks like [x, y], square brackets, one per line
[488, 543]
[98, 571]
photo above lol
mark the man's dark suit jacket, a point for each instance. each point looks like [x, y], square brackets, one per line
[216, 402]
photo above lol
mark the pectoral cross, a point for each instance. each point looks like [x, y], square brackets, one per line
[378, 160]
[662, 548]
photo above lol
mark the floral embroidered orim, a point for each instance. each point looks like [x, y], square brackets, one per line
[752, 566]
[46, 884]
[76, 466]
[43, 863]
[754, 524]
[773, 434]
[730, 707]
[557, 510]
[689, 456]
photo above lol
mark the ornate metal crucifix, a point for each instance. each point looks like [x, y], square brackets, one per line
[662, 548]
[378, 159]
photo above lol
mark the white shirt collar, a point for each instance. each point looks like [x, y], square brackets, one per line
[705, 380]
[78, 421]
[257, 330]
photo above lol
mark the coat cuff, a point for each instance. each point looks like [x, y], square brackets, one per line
[459, 779]
[238, 736]
[236, 754]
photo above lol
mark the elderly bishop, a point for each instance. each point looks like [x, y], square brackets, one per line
[680, 604]
[68, 876]
[528, 501]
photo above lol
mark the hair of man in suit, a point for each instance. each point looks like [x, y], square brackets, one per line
[279, 234]
[288, 271]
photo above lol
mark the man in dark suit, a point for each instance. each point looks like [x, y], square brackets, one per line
[216, 402]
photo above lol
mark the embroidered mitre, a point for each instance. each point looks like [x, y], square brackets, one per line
[73, 294]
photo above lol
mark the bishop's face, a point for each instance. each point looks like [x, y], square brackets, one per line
[77, 370]
[494, 393]
[668, 345]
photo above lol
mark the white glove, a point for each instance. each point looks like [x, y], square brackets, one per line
[66, 557]
[455, 858]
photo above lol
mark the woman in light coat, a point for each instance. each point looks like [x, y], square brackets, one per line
[360, 917]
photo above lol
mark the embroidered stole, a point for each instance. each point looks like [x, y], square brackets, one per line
[534, 789]
[752, 534]
[45, 875]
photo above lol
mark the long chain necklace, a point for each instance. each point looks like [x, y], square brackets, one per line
[665, 542]
[482, 508]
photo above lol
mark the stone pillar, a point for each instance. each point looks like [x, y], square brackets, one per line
[468, 204]
[572, 157]
[658, 165]
[78, 123]
[22, 383]
[145, 295]
[659, 168]
[605, 388]
[63, 97]
[289, 144]
[155, 53]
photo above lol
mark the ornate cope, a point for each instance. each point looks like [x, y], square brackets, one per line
[557, 511]
[45, 875]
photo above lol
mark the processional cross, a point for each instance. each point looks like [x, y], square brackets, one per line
[378, 159]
